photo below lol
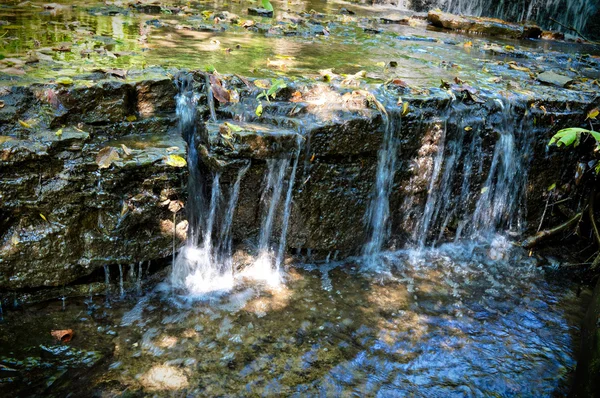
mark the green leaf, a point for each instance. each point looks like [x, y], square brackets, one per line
[64, 81]
[552, 187]
[266, 4]
[275, 87]
[572, 136]
[259, 110]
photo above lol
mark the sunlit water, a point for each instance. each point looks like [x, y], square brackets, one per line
[461, 320]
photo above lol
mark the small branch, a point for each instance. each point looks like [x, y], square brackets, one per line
[547, 233]
[571, 28]
[543, 214]
[594, 228]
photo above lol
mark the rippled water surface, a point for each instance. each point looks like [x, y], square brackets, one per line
[457, 321]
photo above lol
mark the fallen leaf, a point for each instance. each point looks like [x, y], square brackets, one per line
[543, 108]
[175, 206]
[106, 156]
[59, 133]
[404, 108]
[468, 128]
[296, 96]
[519, 68]
[24, 124]
[233, 127]
[175, 161]
[1, 104]
[259, 110]
[131, 118]
[66, 81]
[64, 336]
[126, 150]
[43, 217]
[219, 92]
[124, 208]
[593, 114]
[263, 83]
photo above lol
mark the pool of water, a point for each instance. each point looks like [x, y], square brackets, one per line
[461, 320]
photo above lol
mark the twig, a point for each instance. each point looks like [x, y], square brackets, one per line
[547, 233]
[573, 29]
[543, 214]
[594, 228]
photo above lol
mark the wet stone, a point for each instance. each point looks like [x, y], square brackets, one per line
[555, 79]
[261, 12]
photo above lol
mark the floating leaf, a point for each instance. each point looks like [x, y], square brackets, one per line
[64, 336]
[25, 124]
[106, 156]
[65, 81]
[593, 113]
[259, 110]
[175, 161]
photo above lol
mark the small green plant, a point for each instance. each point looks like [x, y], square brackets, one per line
[276, 85]
[572, 136]
[266, 4]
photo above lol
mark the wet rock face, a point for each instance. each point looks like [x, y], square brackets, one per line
[486, 26]
[62, 216]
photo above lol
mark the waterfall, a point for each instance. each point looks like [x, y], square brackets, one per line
[574, 13]
[467, 194]
[203, 265]
[378, 213]
[267, 266]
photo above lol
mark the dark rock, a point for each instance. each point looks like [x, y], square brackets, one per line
[261, 12]
[395, 20]
[155, 97]
[148, 8]
[587, 382]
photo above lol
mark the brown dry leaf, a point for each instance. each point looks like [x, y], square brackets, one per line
[62, 47]
[296, 96]
[106, 156]
[175, 206]
[219, 92]
[64, 335]
[400, 83]
[113, 72]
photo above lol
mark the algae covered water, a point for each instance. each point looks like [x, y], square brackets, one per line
[461, 320]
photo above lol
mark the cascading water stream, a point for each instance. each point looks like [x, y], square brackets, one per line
[455, 190]
[378, 214]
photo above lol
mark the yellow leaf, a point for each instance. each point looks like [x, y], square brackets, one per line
[131, 118]
[59, 133]
[484, 190]
[551, 187]
[263, 83]
[175, 161]
[468, 44]
[24, 124]
[519, 68]
[64, 81]
[468, 128]
[43, 217]
[593, 113]
[404, 108]
[543, 108]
